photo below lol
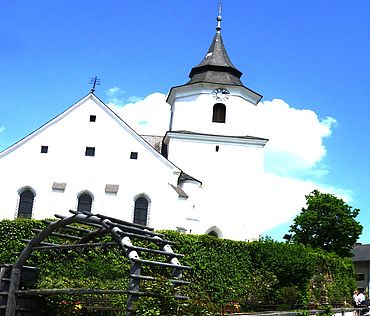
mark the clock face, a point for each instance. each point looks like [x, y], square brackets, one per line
[221, 94]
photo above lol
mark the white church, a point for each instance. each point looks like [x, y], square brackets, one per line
[204, 176]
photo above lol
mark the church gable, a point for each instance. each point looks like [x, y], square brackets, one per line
[86, 158]
[86, 129]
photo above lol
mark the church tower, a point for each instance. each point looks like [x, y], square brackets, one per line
[209, 139]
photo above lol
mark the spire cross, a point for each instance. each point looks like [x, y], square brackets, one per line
[219, 17]
[95, 82]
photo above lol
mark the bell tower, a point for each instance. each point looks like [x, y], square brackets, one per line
[206, 103]
[208, 136]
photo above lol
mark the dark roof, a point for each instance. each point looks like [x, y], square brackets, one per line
[185, 177]
[216, 66]
[361, 253]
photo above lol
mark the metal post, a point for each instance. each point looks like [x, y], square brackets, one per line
[133, 285]
[13, 287]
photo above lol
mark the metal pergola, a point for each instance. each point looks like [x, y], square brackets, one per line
[97, 225]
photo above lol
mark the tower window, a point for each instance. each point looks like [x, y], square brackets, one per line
[141, 211]
[90, 151]
[133, 155]
[217, 148]
[84, 203]
[44, 149]
[25, 204]
[92, 118]
[219, 113]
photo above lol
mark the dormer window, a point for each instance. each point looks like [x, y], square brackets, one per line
[219, 113]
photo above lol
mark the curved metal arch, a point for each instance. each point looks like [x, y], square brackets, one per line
[121, 231]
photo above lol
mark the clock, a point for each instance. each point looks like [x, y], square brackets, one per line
[221, 94]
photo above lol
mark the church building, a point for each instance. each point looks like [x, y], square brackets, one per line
[204, 176]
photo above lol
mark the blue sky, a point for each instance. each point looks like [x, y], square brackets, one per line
[314, 55]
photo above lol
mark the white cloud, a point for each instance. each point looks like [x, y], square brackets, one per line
[295, 136]
[293, 156]
[117, 97]
[112, 92]
[286, 197]
[2, 129]
[148, 116]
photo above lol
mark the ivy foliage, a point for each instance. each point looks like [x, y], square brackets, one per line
[264, 272]
[251, 274]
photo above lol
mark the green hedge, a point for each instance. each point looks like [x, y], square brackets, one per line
[252, 274]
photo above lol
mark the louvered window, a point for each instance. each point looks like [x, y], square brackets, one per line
[219, 113]
[25, 204]
[141, 211]
[84, 203]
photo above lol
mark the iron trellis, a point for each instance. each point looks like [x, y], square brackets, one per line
[122, 233]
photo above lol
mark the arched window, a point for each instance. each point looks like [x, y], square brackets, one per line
[213, 233]
[141, 211]
[25, 204]
[219, 113]
[84, 202]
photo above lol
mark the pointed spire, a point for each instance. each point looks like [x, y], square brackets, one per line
[216, 66]
[219, 17]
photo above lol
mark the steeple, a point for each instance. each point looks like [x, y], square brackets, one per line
[216, 66]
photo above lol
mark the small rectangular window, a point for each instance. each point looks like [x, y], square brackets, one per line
[44, 149]
[90, 151]
[92, 118]
[133, 155]
[217, 148]
[360, 276]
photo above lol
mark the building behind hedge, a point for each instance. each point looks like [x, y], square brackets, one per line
[205, 175]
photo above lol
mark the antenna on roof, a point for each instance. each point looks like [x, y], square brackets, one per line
[95, 82]
[219, 17]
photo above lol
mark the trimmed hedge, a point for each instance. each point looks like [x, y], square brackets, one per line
[251, 274]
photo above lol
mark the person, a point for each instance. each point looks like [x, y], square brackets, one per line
[355, 303]
[361, 297]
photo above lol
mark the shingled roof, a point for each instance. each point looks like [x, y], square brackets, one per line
[216, 66]
[361, 253]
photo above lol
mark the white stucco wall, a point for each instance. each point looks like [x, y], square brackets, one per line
[231, 186]
[230, 168]
[65, 162]
[227, 202]
[192, 111]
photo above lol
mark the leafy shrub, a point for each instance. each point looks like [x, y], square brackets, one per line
[252, 274]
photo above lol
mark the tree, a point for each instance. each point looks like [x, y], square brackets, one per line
[327, 222]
